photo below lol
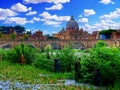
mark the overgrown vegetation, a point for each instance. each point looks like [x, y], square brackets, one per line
[46, 60]
[67, 59]
[106, 59]
[101, 57]
[28, 53]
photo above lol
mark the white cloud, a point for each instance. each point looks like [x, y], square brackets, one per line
[48, 22]
[31, 13]
[4, 13]
[112, 15]
[46, 32]
[83, 20]
[88, 12]
[51, 22]
[36, 19]
[106, 1]
[54, 20]
[17, 20]
[58, 3]
[80, 16]
[48, 16]
[30, 8]
[48, 1]
[55, 7]
[102, 25]
[106, 25]
[107, 21]
[30, 21]
[20, 8]
[91, 28]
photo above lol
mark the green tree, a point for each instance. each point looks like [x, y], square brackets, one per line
[2, 28]
[19, 29]
[107, 32]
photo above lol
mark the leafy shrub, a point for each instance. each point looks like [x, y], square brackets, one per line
[106, 59]
[3, 53]
[109, 62]
[100, 44]
[25, 50]
[43, 62]
[67, 59]
[46, 60]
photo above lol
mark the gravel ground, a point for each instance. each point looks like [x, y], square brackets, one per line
[7, 85]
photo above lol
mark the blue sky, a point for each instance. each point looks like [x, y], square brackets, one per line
[50, 16]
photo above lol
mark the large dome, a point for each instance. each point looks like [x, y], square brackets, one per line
[72, 24]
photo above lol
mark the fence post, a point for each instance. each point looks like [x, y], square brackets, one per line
[57, 65]
[97, 77]
[77, 73]
[22, 59]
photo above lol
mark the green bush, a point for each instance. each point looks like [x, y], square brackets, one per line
[43, 62]
[100, 44]
[3, 53]
[67, 59]
[106, 59]
[25, 50]
[46, 60]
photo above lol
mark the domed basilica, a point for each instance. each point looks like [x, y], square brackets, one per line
[72, 31]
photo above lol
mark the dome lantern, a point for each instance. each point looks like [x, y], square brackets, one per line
[72, 24]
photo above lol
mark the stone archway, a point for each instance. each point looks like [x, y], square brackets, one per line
[8, 46]
[30, 45]
[54, 46]
[78, 45]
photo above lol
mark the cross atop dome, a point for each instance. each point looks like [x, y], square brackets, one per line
[72, 24]
[72, 17]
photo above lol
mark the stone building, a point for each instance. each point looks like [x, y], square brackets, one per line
[95, 35]
[72, 31]
[116, 35]
[38, 35]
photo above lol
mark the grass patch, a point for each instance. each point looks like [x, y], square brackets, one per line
[28, 74]
[31, 75]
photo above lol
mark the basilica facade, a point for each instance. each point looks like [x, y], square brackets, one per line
[72, 31]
